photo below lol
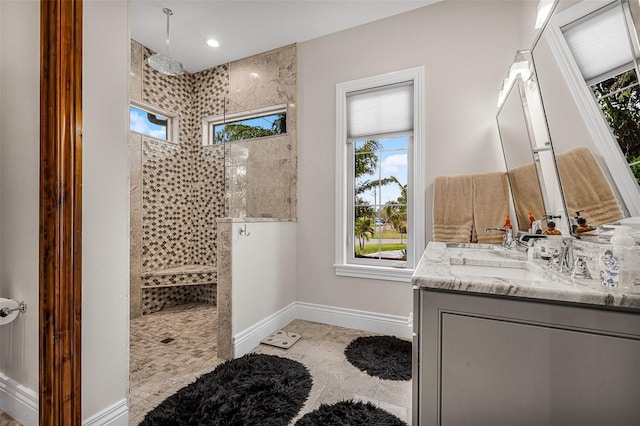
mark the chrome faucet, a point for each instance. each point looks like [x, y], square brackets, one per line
[567, 256]
[507, 240]
[563, 258]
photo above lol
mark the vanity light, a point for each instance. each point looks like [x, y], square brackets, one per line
[520, 68]
[544, 9]
[212, 42]
[523, 69]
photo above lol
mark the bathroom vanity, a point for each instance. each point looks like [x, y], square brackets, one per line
[499, 340]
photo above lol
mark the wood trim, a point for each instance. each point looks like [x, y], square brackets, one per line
[60, 211]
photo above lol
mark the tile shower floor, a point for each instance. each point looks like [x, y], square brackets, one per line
[159, 369]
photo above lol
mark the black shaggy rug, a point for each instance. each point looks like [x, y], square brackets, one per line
[386, 357]
[255, 389]
[352, 413]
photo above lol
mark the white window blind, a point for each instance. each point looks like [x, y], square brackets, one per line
[380, 111]
[599, 42]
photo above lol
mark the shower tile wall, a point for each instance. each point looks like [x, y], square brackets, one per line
[166, 222]
[164, 171]
[211, 88]
[172, 94]
[266, 173]
[183, 183]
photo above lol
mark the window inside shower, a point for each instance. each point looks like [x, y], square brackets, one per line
[149, 123]
[246, 125]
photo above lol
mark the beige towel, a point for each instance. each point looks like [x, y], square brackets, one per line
[452, 209]
[526, 193]
[490, 205]
[586, 188]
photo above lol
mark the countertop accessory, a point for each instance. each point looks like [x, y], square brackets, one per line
[580, 268]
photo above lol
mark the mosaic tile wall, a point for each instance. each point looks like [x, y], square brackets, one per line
[183, 183]
[157, 299]
[211, 88]
[166, 222]
[172, 94]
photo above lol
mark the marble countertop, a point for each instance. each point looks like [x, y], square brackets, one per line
[442, 268]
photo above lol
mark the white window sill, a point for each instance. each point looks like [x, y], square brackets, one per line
[374, 272]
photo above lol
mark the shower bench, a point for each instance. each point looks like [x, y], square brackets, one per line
[167, 287]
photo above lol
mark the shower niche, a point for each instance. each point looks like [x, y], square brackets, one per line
[181, 186]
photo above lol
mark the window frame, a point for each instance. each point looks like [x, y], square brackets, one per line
[589, 107]
[172, 120]
[416, 240]
[208, 123]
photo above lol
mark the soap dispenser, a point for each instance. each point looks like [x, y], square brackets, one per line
[575, 221]
[583, 227]
[551, 229]
[507, 223]
[532, 223]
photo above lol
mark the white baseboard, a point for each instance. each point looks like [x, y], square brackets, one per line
[350, 318]
[115, 415]
[249, 338]
[18, 401]
[393, 325]
[21, 403]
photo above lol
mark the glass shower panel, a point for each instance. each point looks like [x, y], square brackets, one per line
[260, 174]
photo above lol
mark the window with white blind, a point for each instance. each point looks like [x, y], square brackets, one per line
[379, 185]
[595, 45]
[603, 48]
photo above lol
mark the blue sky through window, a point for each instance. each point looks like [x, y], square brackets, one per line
[392, 161]
[139, 123]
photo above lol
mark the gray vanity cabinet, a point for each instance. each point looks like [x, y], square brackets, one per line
[482, 360]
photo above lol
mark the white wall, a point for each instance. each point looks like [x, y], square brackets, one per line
[466, 48]
[105, 203]
[105, 252]
[528, 15]
[263, 271]
[19, 187]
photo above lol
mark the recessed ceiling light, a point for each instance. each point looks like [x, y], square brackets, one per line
[212, 43]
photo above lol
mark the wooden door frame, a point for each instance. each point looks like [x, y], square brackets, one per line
[60, 252]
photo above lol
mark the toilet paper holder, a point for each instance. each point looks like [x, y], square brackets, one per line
[22, 307]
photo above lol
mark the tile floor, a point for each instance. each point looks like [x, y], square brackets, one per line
[160, 369]
[156, 369]
[5, 420]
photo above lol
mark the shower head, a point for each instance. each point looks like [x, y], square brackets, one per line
[163, 62]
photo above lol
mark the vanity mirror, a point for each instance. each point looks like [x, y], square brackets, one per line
[528, 153]
[584, 69]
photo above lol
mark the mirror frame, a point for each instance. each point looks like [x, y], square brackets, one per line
[539, 139]
[623, 180]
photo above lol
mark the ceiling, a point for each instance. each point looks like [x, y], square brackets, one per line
[245, 28]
